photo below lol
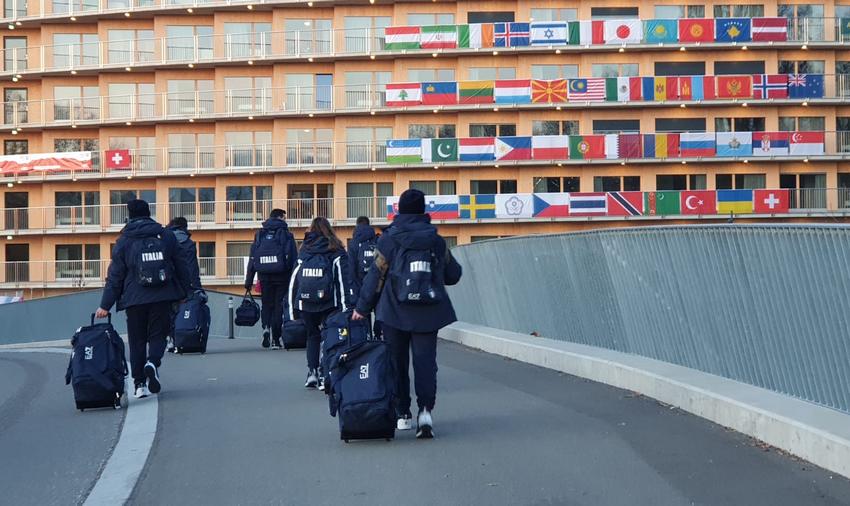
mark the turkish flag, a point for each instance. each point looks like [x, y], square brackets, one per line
[771, 201]
[699, 202]
[118, 159]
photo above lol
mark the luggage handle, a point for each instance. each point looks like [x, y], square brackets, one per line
[248, 295]
[108, 318]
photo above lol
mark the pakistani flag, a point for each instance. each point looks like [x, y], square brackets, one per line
[439, 150]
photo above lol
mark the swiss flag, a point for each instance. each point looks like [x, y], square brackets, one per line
[699, 202]
[771, 201]
[118, 159]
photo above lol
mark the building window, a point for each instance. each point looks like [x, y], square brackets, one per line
[554, 14]
[806, 21]
[557, 184]
[431, 132]
[194, 204]
[414, 19]
[16, 105]
[615, 69]
[554, 127]
[802, 124]
[72, 145]
[248, 203]
[613, 12]
[15, 53]
[489, 17]
[306, 201]
[488, 187]
[308, 36]
[739, 181]
[367, 199]
[119, 198]
[680, 68]
[491, 73]
[361, 88]
[802, 67]
[367, 144]
[248, 149]
[308, 91]
[238, 253]
[679, 11]
[616, 183]
[507, 130]
[247, 39]
[189, 97]
[808, 191]
[16, 147]
[435, 187]
[191, 151]
[739, 11]
[738, 67]
[180, 42]
[430, 75]
[77, 261]
[551, 72]
[143, 150]
[77, 208]
[680, 125]
[130, 46]
[206, 258]
[680, 182]
[309, 146]
[739, 125]
[131, 100]
[365, 33]
[75, 103]
[247, 95]
[75, 49]
[616, 126]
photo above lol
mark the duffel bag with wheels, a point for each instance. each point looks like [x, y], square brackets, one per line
[97, 367]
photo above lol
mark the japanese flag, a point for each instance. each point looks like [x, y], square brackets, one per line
[623, 31]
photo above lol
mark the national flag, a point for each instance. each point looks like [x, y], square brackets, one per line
[585, 33]
[696, 30]
[663, 203]
[770, 86]
[514, 205]
[699, 144]
[734, 86]
[476, 207]
[551, 205]
[625, 203]
[392, 207]
[696, 88]
[805, 86]
[543, 91]
[404, 94]
[513, 148]
[438, 37]
[401, 37]
[588, 204]
[770, 29]
[771, 143]
[442, 207]
[660, 145]
[477, 149]
[623, 31]
[512, 35]
[587, 147]
[732, 30]
[612, 146]
[660, 31]
[617, 89]
[586, 90]
[734, 143]
[806, 143]
[660, 88]
[476, 92]
[118, 159]
[734, 201]
[630, 146]
[404, 151]
[771, 201]
[440, 93]
[550, 147]
[699, 202]
[513, 91]
[548, 33]
[439, 150]
[475, 35]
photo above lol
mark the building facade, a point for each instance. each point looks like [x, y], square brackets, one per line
[220, 111]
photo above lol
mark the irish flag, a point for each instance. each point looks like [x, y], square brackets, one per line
[404, 94]
[476, 35]
[438, 37]
[401, 37]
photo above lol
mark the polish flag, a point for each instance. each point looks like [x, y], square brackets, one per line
[550, 147]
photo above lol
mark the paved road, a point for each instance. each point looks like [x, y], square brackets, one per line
[237, 427]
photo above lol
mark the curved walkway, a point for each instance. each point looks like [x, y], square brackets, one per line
[237, 427]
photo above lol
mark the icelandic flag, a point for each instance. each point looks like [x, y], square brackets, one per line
[805, 86]
[442, 207]
[771, 143]
[477, 149]
[513, 91]
[692, 145]
[513, 148]
[549, 34]
[734, 144]
[733, 30]
[551, 205]
[513, 34]
[588, 204]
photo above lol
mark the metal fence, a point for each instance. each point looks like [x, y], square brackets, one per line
[761, 304]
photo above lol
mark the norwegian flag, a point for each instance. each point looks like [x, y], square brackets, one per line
[770, 86]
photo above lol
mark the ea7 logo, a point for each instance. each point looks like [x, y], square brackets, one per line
[89, 353]
[364, 371]
[187, 314]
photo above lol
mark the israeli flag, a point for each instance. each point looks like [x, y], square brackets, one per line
[548, 34]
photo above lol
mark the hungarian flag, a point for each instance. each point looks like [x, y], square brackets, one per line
[401, 37]
[770, 29]
[476, 92]
[734, 86]
[438, 37]
[664, 203]
[404, 94]
[548, 91]
[440, 93]
[625, 203]
[587, 147]
[771, 201]
[696, 88]
[770, 86]
[550, 147]
[623, 31]
[696, 30]
[699, 202]
[476, 35]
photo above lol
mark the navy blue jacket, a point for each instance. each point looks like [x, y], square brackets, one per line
[122, 286]
[409, 230]
[291, 255]
[362, 234]
[344, 298]
[189, 254]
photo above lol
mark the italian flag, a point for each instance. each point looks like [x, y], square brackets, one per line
[585, 33]
[438, 37]
[401, 37]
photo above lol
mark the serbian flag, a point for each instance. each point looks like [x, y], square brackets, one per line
[770, 29]
[771, 201]
[625, 203]
[551, 205]
[734, 86]
[771, 143]
[550, 147]
[696, 30]
[118, 159]
[699, 202]
[404, 94]
[770, 86]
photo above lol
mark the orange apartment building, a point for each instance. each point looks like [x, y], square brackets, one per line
[231, 108]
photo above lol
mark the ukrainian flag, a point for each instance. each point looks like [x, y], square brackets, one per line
[734, 201]
[476, 207]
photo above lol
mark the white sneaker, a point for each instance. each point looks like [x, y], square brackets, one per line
[312, 379]
[405, 422]
[321, 383]
[141, 391]
[153, 378]
[425, 426]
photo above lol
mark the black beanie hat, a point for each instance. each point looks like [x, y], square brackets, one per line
[138, 208]
[411, 202]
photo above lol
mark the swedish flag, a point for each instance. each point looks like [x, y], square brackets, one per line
[476, 207]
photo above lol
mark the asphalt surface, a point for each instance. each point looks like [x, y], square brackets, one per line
[237, 427]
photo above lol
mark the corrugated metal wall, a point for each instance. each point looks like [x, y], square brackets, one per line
[767, 305]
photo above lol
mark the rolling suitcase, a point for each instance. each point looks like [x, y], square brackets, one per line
[192, 326]
[294, 334]
[97, 367]
[363, 392]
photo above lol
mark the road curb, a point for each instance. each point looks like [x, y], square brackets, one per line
[818, 434]
[60, 343]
